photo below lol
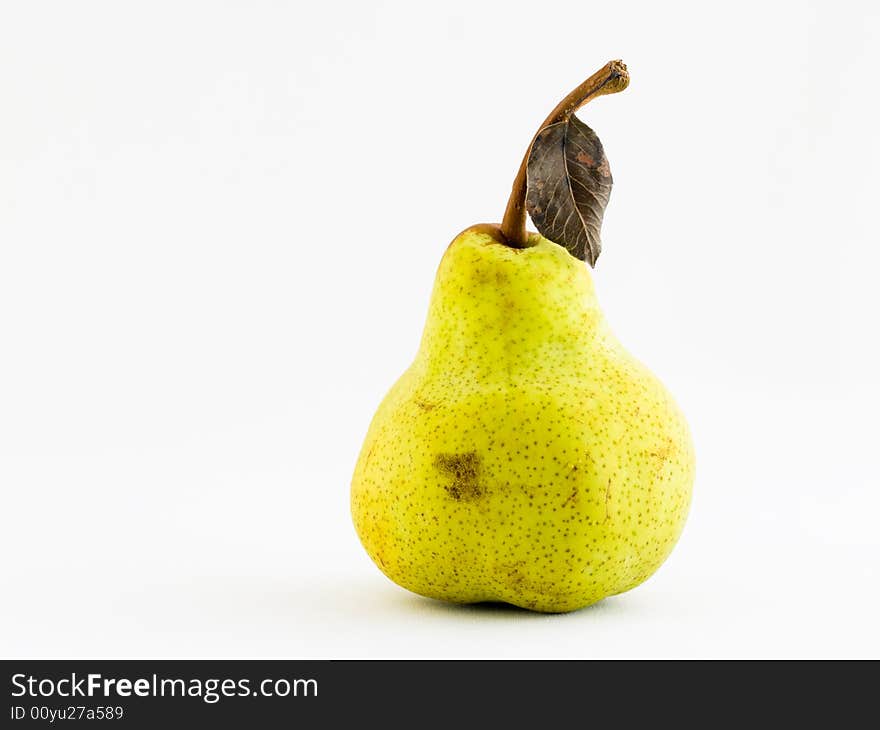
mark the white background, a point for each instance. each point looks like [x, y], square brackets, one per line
[219, 227]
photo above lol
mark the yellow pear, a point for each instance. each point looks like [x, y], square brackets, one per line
[525, 456]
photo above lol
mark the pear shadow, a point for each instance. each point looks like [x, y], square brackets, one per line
[499, 609]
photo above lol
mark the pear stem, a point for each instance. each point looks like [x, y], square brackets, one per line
[609, 79]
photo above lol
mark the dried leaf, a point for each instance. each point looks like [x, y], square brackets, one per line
[568, 186]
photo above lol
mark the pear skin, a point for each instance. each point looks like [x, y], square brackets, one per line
[525, 456]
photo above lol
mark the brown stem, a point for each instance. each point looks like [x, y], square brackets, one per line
[609, 79]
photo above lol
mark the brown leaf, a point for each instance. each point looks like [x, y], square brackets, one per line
[568, 183]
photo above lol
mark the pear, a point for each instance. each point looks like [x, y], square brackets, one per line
[525, 456]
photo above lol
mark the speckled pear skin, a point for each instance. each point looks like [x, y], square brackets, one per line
[524, 456]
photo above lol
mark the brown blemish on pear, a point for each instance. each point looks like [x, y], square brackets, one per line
[463, 471]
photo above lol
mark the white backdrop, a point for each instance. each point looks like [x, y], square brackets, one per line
[219, 227]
